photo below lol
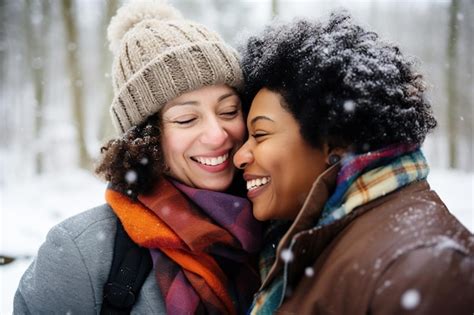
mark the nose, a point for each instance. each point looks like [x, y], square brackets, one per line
[214, 134]
[243, 157]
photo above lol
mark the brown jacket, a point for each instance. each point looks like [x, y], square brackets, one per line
[403, 253]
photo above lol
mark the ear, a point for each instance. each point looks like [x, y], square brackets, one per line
[333, 154]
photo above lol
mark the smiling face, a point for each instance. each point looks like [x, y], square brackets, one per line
[202, 129]
[280, 166]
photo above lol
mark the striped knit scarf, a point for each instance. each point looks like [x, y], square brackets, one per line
[199, 241]
[362, 178]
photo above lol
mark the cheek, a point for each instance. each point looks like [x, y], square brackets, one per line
[237, 130]
[286, 171]
[173, 146]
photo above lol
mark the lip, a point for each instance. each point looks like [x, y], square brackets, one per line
[252, 176]
[252, 194]
[214, 168]
[214, 153]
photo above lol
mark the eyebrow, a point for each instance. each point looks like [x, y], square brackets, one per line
[257, 118]
[226, 96]
[219, 99]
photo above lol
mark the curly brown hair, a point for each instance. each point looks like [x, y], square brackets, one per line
[133, 163]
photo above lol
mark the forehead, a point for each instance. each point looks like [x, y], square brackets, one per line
[204, 95]
[268, 103]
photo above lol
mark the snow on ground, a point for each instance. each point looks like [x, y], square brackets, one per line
[29, 209]
[456, 189]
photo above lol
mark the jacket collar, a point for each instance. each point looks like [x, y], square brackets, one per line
[311, 209]
[312, 241]
[308, 245]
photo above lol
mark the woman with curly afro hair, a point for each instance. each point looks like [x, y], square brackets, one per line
[333, 161]
[171, 192]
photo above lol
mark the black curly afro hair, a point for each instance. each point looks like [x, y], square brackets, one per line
[344, 86]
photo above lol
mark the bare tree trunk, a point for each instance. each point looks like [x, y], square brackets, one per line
[76, 81]
[106, 130]
[465, 84]
[469, 96]
[275, 8]
[451, 84]
[35, 54]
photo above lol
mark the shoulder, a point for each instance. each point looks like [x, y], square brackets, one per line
[81, 223]
[404, 248]
[437, 279]
[71, 265]
[404, 220]
[401, 242]
[413, 220]
[87, 232]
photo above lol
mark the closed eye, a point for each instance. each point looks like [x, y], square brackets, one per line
[230, 113]
[184, 122]
[259, 135]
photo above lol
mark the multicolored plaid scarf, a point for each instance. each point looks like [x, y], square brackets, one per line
[264, 301]
[199, 240]
[361, 179]
[366, 177]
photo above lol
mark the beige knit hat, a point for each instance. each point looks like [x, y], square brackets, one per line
[158, 56]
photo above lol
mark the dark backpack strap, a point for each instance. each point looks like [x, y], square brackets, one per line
[131, 265]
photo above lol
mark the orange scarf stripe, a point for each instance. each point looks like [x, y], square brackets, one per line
[140, 223]
[206, 267]
[143, 226]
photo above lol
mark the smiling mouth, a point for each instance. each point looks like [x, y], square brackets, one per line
[211, 161]
[257, 182]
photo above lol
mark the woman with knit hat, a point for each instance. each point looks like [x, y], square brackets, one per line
[333, 161]
[179, 120]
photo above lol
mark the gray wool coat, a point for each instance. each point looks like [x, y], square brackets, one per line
[72, 266]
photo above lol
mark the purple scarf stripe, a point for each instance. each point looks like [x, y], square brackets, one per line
[181, 296]
[231, 212]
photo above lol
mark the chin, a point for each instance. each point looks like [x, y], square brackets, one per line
[259, 215]
[216, 186]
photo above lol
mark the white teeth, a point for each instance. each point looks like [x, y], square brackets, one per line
[254, 183]
[212, 161]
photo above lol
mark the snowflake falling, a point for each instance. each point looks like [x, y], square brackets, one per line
[286, 255]
[309, 272]
[131, 177]
[410, 299]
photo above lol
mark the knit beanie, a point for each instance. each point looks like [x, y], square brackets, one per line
[158, 56]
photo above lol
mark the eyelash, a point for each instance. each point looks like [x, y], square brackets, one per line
[184, 122]
[258, 135]
[231, 113]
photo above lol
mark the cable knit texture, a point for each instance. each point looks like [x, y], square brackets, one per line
[159, 56]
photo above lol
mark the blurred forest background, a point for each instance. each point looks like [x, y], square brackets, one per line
[55, 86]
[55, 93]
